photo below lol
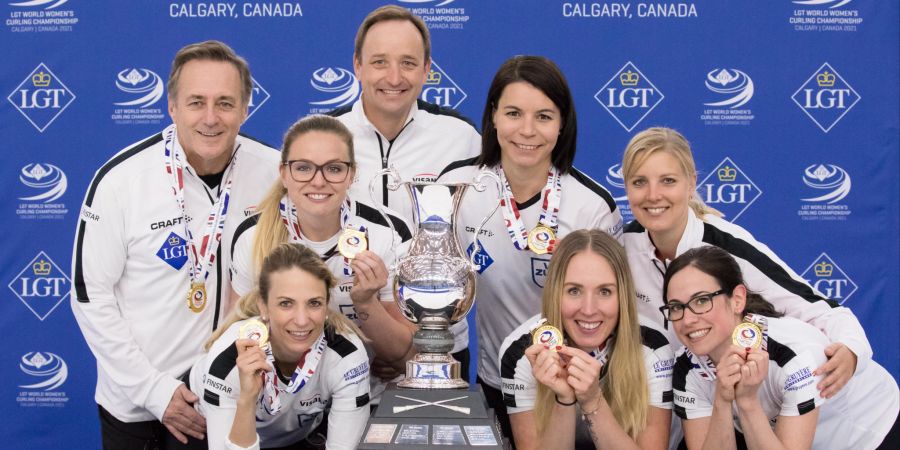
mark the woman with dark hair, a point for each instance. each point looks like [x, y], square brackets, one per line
[744, 368]
[609, 386]
[661, 183]
[528, 139]
[282, 361]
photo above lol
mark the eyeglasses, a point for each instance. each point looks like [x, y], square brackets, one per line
[698, 304]
[333, 171]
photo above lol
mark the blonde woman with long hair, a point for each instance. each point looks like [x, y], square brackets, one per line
[309, 205]
[670, 218]
[608, 386]
[313, 363]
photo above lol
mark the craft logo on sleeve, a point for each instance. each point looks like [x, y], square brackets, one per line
[233, 10]
[629, 96]
[825, 15]
[617, 183]
[438, 14]
[826, 97]
[43, 373]
[140, 90]
[41, 285]
[728, 189]
[829, 279]
[731, 90]
[628, 10]
[258, 96]
[338, 87]
[41, 97]
[44, 183]
[828, 184]
[440, 89]
[40, 16]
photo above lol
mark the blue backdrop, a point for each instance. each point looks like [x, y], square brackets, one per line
[791, 107]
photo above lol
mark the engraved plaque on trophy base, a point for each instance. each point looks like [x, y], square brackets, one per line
[439, 418]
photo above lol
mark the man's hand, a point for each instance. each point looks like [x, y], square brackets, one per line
[181, 418]
[838, 370]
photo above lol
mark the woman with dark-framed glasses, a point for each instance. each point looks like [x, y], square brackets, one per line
[309, 205]
[746, 375]
[660, 182]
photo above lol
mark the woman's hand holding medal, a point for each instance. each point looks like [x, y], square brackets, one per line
[370, 276]
[251, 360]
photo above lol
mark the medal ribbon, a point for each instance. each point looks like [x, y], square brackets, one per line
[552, 195]
[306, 367]
[202, 258]
[289, 218]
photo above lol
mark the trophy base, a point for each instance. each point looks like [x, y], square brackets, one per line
[433, 371]
[451, 420]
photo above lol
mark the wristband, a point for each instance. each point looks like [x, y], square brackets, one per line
[564, 404]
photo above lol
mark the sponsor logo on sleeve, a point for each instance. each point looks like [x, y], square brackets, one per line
[360, 371]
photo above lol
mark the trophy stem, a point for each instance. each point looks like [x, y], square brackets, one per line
[433, 367]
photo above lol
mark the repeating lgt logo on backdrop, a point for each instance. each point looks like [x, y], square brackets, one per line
[732, 89]
[143, 89]
[825, 15]
[41, 97]
[43, 374]
[629, 96]
[828, 184]
[728, 189]
[829, 279]
[40, 16]
[258, 96]
[440, 89]
[826, 97]
[44, 184]
[438, 14]
[41, 285]
[615, 180]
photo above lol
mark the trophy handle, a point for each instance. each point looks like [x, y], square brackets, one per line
[393, 184]
[480, 186]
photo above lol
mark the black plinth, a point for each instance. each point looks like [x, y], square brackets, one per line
[399, 423]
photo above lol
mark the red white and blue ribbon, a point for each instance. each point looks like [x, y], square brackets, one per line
[551, 195]
[289, 219]
[202, 256]
[306, 368]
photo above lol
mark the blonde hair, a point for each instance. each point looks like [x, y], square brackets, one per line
[661, 139]
[269, 229]
[625, 384]
[285, 257]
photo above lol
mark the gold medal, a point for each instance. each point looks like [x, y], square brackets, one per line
[747, 335]
[548, 336]
[256, 330]
[352, 242]
[196, 298]
[540, 238]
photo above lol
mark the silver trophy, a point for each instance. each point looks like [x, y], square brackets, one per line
[434, 284]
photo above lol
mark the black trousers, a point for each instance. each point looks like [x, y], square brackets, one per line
[149, 435]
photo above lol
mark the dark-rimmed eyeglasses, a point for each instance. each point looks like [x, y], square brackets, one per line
[698, 304]
[303, 170]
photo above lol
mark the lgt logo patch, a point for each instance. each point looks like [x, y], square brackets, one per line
[441, 90]
[482, 258]
[41, 286]
[173, 251]
[258, 96]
